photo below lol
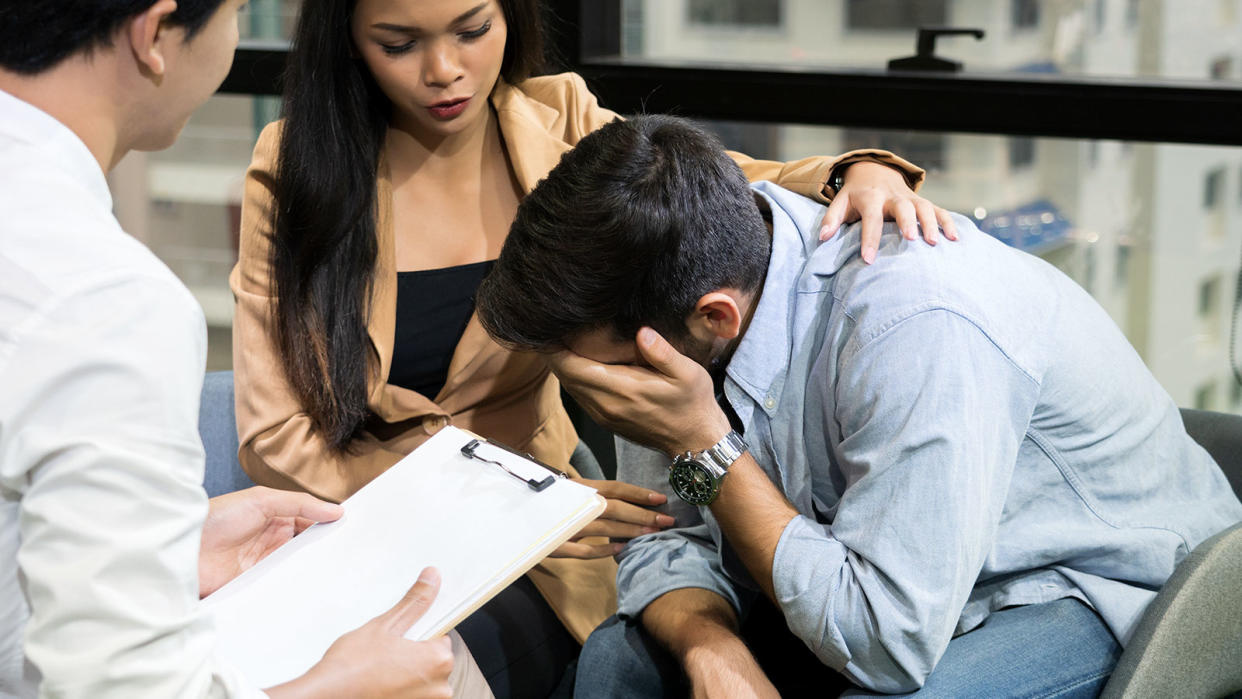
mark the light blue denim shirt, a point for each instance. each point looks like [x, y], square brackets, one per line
[961, 428]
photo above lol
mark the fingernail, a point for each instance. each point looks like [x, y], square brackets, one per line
[616, 548]
[665, 520]
[649, 530]
[431, 576]
[657, 498]
[646, 335]
[868, 255]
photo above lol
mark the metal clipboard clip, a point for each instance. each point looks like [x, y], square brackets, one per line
[470, 451]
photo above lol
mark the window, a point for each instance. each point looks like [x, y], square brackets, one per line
[1132, 13]
[756, 140]
[1121, 274]
[1101, 14]
[1021, 152]
[1209, 311]
[746, 13]
[1025, 13]
[1221, 68]
[1209, 297]
[1205, 397]
[927, 150]
[1228, 12]
[1213, 184]
[1235, 394]
[895, 14]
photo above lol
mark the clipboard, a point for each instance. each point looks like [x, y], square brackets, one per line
[475, 516]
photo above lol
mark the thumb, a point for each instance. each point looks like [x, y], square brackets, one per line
[413, 605]
[284, 503]
[662, 356]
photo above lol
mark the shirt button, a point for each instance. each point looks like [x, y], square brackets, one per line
[769, 402]
[434, 423]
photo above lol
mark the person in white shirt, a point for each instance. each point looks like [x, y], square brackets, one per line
[107, 539]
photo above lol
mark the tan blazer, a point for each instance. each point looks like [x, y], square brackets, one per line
[496, 393]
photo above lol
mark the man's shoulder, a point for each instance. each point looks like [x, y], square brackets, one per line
[71, 253]
[977, 277]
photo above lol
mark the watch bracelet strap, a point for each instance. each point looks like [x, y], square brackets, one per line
[728, 450]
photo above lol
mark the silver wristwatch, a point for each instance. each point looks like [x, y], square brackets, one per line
[696, 476]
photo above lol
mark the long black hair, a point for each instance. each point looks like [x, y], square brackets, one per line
[324, 243]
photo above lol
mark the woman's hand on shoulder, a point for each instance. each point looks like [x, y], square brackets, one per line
[873, 192]
[627, 515]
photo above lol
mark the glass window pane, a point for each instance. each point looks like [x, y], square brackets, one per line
[894, 14]
[1192, 39]
[185, 204]
[269, 19]
[742, 13]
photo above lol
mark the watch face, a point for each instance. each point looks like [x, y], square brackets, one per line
[692, 482]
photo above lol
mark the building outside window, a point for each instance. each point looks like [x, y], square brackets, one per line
[1213, 187]
[744, 13]
[1209, 307]
[1021, 152]
[1205, 397]
[895, 14]
[926, 149]
[1025, 13]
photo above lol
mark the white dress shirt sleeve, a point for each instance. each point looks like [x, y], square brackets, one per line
[102, 444]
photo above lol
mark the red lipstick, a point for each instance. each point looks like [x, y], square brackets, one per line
[449, 109]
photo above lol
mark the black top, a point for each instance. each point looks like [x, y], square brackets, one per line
[433, 308]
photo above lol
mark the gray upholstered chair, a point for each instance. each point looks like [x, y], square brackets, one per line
[1189, 641]
[217, 425]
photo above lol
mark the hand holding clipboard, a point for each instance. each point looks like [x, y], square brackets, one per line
[278, 618]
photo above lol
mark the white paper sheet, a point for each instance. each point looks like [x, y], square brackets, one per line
[480, 526]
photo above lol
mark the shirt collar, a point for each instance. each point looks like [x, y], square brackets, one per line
[22, 122]
[761, 359]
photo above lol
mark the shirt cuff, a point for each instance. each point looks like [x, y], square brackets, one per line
[806, 575]
[655, 564]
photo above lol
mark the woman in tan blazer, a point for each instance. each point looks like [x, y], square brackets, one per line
[406, 144]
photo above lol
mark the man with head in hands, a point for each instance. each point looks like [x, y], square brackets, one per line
[947, 472]
[107, 539]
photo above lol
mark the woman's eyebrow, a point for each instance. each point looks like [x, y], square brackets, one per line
[412, 29]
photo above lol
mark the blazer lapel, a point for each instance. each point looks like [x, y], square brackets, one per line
[532, 150]
[390, 403]
[527, 128]
[526, 131]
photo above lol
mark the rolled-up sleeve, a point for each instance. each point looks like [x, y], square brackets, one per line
[681, 557]
[927, 455]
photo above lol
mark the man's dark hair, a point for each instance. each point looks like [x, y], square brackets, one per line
[631, 228]
[35, 35]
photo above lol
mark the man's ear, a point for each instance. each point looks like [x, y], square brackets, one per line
[148, 33]
[717, 313]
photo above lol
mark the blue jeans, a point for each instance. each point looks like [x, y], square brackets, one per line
[1058, 649]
